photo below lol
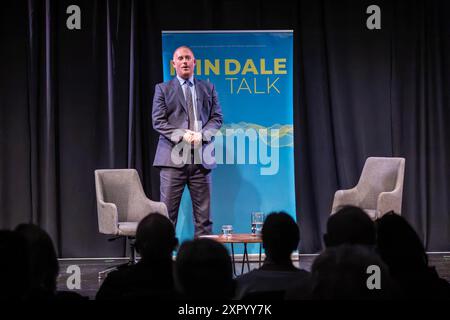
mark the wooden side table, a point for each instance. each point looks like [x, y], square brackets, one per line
[243, 238]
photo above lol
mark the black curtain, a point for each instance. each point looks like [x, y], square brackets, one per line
[374, 93]
[72, 101]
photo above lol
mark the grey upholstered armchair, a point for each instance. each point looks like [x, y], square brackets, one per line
[122, 204]
[379, 189]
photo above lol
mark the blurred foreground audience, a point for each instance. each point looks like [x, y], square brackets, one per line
[152, 276]
[14, 266]
[362, 260]
[347, 272]
[350, 225]
[280, 236]
[29, 268]
[203, 271]
[44, 266]
[402, 250]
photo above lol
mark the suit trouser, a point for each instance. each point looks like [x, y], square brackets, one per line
[198, 180]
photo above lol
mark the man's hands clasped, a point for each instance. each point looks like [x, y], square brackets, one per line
[192, 137]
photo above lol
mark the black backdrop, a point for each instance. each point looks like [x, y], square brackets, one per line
[74, 101]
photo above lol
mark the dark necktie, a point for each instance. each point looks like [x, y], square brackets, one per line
[190, 105]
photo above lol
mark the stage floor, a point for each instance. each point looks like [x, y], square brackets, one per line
[90, 268]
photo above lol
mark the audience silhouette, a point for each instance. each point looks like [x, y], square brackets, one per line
[152, 276]
[350, 225]
[280, 235]
[402, 250]
[339, 272]
[14, 266]
[342, 272]
[44, 267]
[362, 260]
[203, 270]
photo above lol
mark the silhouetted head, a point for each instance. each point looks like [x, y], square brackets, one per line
[203, 270]
[347, 271]
[280, 236]
[44, 265]
[14, 267]
[350, 225]
[399, 245]
[155, 238]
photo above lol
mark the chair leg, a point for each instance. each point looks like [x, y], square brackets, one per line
[132, 251]
[102, 274]
[131, 260]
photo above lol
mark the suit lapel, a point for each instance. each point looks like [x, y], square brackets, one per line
[199, 91]
[179, 93]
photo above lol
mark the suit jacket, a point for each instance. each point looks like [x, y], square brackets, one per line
[170, 119]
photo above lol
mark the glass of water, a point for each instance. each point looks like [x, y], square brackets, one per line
[227, 230]
[257, 222]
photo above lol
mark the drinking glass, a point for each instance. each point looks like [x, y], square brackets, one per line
[227, 230]
[257, 222]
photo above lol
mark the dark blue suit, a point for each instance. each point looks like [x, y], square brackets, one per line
[170, 119]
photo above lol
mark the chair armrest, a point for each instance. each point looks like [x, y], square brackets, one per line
[345, 197]
[162, 209]
[150, 206]
[389, 201]
[108, 218]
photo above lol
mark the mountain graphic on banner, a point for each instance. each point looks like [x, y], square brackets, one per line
[283, 133]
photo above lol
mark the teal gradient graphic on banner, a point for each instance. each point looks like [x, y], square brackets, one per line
[252, 73]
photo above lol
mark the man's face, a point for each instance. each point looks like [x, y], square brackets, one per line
[183, 62]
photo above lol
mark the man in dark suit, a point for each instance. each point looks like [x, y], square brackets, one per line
[187, 114]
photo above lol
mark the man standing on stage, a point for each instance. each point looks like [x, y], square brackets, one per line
[187, 114]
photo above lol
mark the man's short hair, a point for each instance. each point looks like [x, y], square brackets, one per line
[350, 225]
[280, 235]
[203, 270]
[186, 47]
[155, 237]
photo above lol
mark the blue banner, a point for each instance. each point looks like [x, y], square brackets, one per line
[252, 73]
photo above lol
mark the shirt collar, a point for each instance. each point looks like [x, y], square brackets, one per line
[181, 80]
